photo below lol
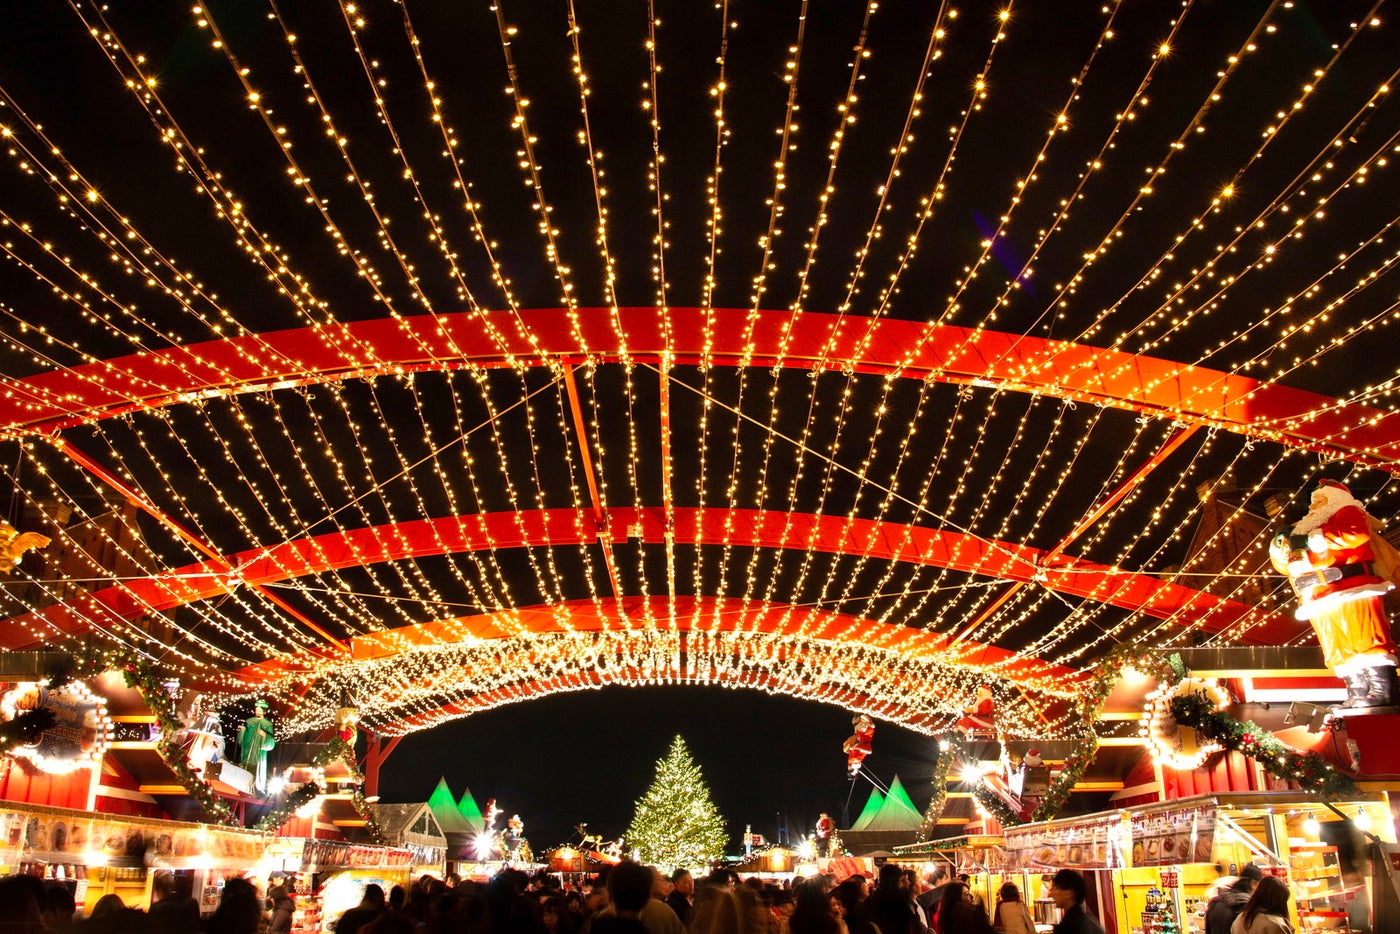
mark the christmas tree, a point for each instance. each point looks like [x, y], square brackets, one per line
[676, 823]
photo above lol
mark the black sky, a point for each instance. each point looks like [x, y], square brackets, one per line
[588, 756]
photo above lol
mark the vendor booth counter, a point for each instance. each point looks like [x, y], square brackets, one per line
[1153, 869]
[100, 854]
[330, 877]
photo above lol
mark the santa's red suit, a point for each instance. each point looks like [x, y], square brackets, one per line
[1330, 559]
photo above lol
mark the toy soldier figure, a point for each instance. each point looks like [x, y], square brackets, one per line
[254, 742]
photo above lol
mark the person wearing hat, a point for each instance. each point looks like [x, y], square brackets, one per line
[1340, 568]
[254, 743]
[1222, 909]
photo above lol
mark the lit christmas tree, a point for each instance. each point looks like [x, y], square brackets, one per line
[676, 823]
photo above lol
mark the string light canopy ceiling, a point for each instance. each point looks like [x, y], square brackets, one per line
[457, 354]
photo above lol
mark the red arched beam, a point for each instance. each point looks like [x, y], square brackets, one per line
[884, 541]
[60, 399]
[640, 616]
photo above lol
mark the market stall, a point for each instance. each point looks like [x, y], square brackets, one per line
[1153, 869]
[328, 878]
[98, 854]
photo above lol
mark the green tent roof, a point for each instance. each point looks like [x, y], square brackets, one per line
[896, 812]
[445, 812]
[872, 807]
[470, 812]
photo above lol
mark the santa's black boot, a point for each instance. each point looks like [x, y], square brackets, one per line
[1384, 690]
[1358, 686]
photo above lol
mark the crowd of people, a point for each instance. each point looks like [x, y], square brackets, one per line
[629, 898]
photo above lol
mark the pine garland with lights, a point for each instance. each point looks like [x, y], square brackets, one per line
[995, 806]
[950, 748]
[279, 815]
[1309, 770]
[1156, 665]
[676, 823]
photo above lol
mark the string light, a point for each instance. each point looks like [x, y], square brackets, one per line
[429, 415]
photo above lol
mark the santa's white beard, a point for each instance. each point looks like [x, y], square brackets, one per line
[1318, 516]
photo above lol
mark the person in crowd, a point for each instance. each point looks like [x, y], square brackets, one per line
[781, 905]
[283, 908]
[391, 922]
[1012, 915]
[1222, 909]
[173, 910]
[1266, 912]
[851, 892]
[512, 912]
[629, 884]
[957, 914]
[814, 913]
[722, 910]
[928, 900]
[628, 900]
[555, 914]
[891, 908]
[239, 911]
[371, 906]
[109, 904]
[58, 906]
[397, 897]
[1068, 890]
[21, 904]
[682, 897]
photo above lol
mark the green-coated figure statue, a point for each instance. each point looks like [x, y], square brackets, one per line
[254, 742]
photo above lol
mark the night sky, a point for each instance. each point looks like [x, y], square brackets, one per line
[588, 756]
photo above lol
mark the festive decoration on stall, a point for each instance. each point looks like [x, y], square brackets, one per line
[1310, 771]
[14, 543]
[980, 720]
[1340, 567]
[950, 749]
[857, 745]
[676, 823]
[255, 741]
[294, 802]
[1173, 744]
[140, 675]
[24, 729]
[203, 737]
[79, 731]
[822, 833]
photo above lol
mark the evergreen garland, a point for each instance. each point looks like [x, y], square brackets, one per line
[1169, 668]
[1309, 770]
[993, 804]
[279, 815]
[950, 748]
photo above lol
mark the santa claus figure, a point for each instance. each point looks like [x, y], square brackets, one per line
[857, 745]
[981, 717]
[825, 828]
[1340, 569]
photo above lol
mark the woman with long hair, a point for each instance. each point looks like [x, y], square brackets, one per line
[959, 914]
[1266, 912]
[1012, 916]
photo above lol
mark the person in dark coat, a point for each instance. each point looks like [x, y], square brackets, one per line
[172, 911]
[682, 897]
[371, 906]
[1067, 891]
[891, 907]
[1223, 908]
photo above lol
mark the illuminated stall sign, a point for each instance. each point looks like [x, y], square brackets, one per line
[81, 730]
